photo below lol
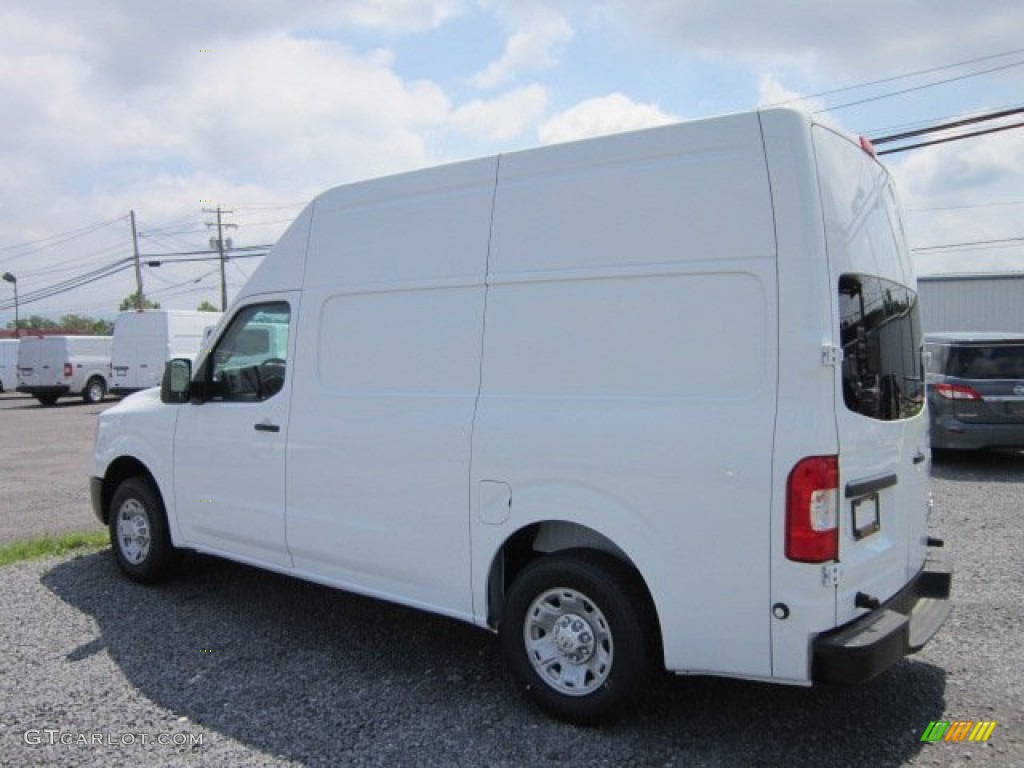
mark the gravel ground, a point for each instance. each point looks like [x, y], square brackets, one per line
[266, 670]
[44, 484]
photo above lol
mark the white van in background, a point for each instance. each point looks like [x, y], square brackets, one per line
[50, 367]
[8, 364]
[648, 401]
[145, 341]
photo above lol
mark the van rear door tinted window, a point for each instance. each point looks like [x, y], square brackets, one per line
[880, 327]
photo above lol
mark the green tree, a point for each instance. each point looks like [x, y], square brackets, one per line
[91, 325]
[131, 301]
[207, 307]
[34, 323]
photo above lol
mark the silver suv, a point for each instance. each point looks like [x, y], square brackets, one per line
[976, 390]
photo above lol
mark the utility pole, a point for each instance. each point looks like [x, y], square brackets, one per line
[219, 244]
[140, 299]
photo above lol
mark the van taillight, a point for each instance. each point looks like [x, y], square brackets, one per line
[812, 510]
[68, 370]
[957, 392]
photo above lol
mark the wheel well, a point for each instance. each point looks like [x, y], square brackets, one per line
[119, 471]
[537, 540]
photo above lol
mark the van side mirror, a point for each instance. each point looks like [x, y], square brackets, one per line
[174, 388]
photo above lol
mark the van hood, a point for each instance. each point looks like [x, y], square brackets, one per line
[145, 400]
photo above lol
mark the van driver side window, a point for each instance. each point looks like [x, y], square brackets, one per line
[249, 362]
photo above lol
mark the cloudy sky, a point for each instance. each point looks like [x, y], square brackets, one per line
[166, 107]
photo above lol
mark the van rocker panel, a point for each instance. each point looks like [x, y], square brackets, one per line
[874, 642]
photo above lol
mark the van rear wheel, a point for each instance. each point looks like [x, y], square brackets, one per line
[95, 390]
[138, 532]
[579, 636]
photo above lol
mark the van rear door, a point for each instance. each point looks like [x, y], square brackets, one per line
[882, 427]
[42, 361]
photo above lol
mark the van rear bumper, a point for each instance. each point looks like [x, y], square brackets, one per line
[125, 391]
[57, 389]
[867, 646]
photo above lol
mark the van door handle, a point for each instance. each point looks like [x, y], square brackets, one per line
[265, 427]
[919, 457]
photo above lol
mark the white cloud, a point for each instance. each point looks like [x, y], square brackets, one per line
[503, 118]
[594, 117]
[961, 192]
[264, 116]
[290, 107]
[962, 171]
[875, 36]
[398, 15]
[771, 92]
[535, 46]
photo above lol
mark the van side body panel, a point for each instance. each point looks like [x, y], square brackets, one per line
[629, 372]
[386, 371]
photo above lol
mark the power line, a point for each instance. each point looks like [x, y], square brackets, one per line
[71, 284]
[963, 207]
[923, 122]
[212, 256]
[953, 138]
[998, 242]
[894, 78]
[945, 126]
[940, 127]
[920, 87]
[234, 253]
[51, 241]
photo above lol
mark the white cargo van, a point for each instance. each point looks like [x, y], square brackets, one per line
[8, 364]
[145, 341]
[50, 367]
[647, 401]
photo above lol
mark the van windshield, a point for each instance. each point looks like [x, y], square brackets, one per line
[880, 328]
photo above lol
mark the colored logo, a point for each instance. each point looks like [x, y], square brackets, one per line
[958, 730]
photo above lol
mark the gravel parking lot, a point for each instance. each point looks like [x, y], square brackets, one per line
[44, 486]
[228, 665]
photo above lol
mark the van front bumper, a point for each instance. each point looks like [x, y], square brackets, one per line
[869, 645]
[96, 497]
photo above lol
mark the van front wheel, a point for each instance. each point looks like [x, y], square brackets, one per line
[138, 532]
[578, 634]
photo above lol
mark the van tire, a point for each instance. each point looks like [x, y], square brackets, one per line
[95, 390]
[138, 532]
[47, 399]
[604, 618]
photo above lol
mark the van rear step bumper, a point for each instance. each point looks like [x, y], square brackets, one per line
[871, 644]
[56, 389]
[125, 391]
